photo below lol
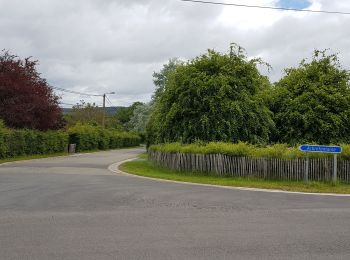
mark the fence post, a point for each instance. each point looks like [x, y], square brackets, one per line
[335, 168]
[306, 177]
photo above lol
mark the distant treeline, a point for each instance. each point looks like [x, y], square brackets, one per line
[110, 111]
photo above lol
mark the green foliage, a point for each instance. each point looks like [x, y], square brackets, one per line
[90, 113]
[281, 151]
[23, 142]
[140, 118]
[124, 114]
[88, 137]
[312, 102]
[214, 97]
[3, 144]
[20, 142]
[85, 113]
[161, 78]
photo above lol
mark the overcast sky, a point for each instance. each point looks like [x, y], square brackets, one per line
[99, 46]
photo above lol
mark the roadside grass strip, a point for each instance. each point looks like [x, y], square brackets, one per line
[31, 157]
[145, 168]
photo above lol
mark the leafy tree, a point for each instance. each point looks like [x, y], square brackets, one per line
[140, 118]
[213, 97]
[311, 103]
[160, 79]
[124, 114]
[26, 99]
[88, 113]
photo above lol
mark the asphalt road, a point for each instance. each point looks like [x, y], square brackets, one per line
[74, 208]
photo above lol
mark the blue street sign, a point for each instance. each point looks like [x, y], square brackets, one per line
[320, 148]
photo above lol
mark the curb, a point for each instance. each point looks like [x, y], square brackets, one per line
[115, 168]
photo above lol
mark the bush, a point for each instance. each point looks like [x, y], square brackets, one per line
[214, 97]
[88, 137]
[3, 145]
[17, 142]
[311, 103]
[281, 151]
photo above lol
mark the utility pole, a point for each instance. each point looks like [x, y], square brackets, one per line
[104, 111]
[104, 108]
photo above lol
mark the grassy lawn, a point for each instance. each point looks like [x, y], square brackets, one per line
[145, 168]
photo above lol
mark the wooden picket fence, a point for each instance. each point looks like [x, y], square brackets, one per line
[266, 168]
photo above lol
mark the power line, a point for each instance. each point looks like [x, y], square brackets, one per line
[267, 7]
[67, 104]
[76, 92]
[109, 101]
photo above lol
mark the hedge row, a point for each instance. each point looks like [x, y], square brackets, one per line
[88, 137]
[29, 142]
[20, 142]
[281, 151]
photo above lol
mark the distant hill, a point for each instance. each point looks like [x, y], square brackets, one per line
[109, 110]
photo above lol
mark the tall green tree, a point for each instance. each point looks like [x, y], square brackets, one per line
[311, 103]
[213, 97]
[160, 79]
[125, 114]
[140, 118]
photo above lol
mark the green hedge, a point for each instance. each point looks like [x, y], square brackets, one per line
[28, 142]
[281, 151]
[19, 142]
[88, 137]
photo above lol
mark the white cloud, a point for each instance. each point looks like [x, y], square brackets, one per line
[112, 45]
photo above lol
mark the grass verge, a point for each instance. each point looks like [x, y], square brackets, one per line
[31, 157]
[145, 168]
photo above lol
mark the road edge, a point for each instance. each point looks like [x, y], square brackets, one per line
[115, 168]
[66, 155]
